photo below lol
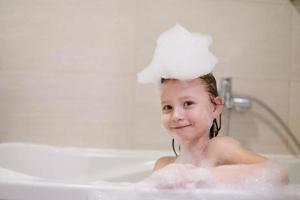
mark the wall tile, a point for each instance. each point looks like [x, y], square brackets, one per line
[296, 44]
[258, 41]
[259, 132]
[294, 108]
[67, 72]
[272, 93]
[147, 127]
[61, 106]
[67, 132]
[63, 36]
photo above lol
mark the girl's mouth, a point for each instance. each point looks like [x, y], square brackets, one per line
[181, 127]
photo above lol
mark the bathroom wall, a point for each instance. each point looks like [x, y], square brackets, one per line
[67, 72]
[68, 68]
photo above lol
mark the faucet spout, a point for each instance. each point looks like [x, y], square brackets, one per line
[226, 92]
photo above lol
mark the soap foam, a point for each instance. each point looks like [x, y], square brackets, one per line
[186, 181]
[255, 177]
[179, 54]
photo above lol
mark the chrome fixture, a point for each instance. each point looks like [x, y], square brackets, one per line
[226, 92]
[239, 103]
[243, 103]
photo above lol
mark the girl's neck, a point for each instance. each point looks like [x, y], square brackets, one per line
[193, 152]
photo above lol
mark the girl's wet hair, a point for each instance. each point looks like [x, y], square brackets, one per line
[211, 87]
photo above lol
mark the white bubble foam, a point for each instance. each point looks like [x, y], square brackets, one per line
[256, 177]
[179, 54]
[185, 181]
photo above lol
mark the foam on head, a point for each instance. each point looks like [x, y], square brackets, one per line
[179, 54]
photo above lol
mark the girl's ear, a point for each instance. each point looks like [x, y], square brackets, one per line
[219, 102]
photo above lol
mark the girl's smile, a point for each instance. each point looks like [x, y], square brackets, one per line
[181, 127]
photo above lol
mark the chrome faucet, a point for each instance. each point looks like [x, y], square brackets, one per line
[226, 92]
[233, 101]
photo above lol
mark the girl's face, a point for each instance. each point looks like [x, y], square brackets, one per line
[187, 109]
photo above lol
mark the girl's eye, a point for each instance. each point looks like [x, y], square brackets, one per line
[167, 108]
[187, 103]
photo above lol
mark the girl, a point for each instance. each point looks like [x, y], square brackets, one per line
[189, 112]
[190, 109]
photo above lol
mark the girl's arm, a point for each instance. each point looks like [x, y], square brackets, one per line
[266, 172]
[234, 162]
[163, 161]
[225, 150]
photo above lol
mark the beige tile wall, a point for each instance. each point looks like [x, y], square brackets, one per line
[68, 68]
[67, 72]
[294, 97]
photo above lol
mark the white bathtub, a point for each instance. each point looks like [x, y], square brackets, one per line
[35, 172]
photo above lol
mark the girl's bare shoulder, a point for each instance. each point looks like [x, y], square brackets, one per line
[227, 150]
[164, 161]
[220, 144]
[224, 141]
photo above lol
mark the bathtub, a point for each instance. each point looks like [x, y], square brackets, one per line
[34, 172]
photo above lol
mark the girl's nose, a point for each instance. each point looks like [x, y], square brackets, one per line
[177, 115]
